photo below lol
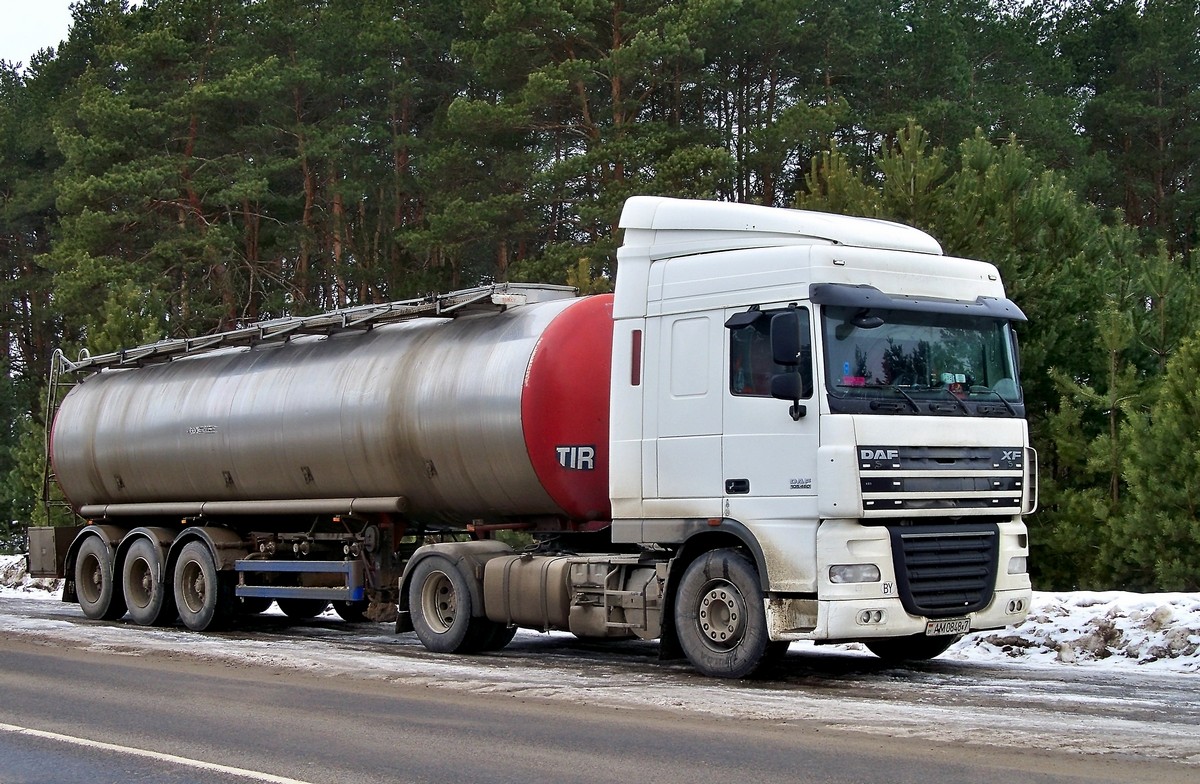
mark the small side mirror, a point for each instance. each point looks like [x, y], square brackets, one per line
[789, 386]
[786, 386]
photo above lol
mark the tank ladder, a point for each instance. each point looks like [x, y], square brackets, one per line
[54, 506]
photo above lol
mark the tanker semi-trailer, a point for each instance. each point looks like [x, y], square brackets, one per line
[782, 426]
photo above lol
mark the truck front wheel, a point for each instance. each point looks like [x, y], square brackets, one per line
[719, 615]
[100, 598]
[917, 647]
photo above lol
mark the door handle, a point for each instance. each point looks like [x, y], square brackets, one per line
[737, 486]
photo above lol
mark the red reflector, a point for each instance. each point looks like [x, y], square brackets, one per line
[635, 367]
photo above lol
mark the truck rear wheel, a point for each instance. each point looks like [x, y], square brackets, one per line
[497, 637]
[352, 612]
[203, 596]
[440, 601]
[96, 587]
[302, 609]
[719, 615]
[150, 601]
[253, 605]
[917, 647]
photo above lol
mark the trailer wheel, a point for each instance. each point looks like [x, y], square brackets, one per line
[917, 647]
[150, 601]
[203, 596]
[302, 609]
[439, 599]
[719, 616]
[352, 612]
[95, 582]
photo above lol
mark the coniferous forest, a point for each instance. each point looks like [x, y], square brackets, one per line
[186, 166]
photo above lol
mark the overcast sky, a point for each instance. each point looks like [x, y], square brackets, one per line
[29, 25]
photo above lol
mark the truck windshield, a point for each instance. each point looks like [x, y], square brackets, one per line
[900, 361]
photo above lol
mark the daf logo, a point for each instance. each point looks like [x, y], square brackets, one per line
[878, 454]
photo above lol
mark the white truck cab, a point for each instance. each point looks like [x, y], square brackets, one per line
[835, 396]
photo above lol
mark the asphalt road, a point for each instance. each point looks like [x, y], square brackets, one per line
[326, 702]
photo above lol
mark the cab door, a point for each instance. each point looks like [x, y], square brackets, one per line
[769, 458]
[687, 416]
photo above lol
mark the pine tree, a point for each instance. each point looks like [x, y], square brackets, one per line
[1157, 544]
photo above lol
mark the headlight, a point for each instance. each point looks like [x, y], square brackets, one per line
[1018, 565]
[854, 573]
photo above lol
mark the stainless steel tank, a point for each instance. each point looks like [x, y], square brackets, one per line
[493, 416]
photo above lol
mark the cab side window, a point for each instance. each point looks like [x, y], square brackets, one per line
[750, 362]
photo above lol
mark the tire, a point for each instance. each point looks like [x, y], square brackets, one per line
[917, 647]
[352, 612]
[499, 636]
[302, 609]
[253, 605]
[96, 588]
[439, 599]
[776, 652]
[150, 600]
[204, 596]
[719, 615]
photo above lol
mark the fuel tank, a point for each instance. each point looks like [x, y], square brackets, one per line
[492, 416]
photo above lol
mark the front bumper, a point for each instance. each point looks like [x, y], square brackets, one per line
[855, 619]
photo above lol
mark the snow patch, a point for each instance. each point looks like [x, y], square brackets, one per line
[15, 577]
[1155, 631]
[1085, 628]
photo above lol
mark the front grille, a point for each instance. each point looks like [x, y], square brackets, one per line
[945, 570]
[937, 480]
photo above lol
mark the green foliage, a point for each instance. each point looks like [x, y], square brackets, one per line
[1138, 66]
[14, 497]
[1156, 544]
[180, 167]
[582, 279]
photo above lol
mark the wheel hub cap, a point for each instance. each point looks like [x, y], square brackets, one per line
[720, 615]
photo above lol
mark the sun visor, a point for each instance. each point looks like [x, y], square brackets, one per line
[864, 296]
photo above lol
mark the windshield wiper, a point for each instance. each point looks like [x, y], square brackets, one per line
[1001, 398]
[896, 388]
[953, 397]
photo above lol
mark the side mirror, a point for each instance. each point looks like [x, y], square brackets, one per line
[786, 350]
[785, 338]
[789, 386]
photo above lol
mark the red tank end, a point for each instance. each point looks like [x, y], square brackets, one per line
[564, 408]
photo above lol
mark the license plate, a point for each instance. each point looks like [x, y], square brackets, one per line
[947, 626]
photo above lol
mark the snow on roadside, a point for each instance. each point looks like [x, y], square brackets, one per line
[1153, 630]
[13, 577]
[1159, 631]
